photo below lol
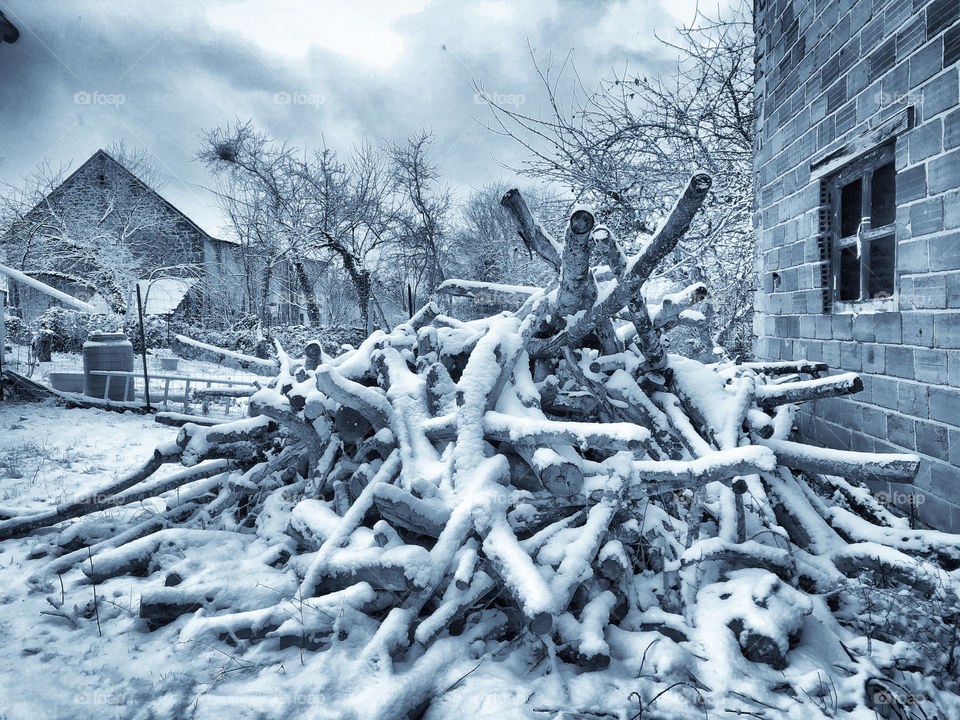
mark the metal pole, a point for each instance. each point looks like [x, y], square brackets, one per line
[143, 347]
[3, 342]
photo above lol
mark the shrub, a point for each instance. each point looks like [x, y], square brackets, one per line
[67, 330]
[18, 332]
[254, 339]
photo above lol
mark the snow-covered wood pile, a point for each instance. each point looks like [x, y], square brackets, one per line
[548, 492]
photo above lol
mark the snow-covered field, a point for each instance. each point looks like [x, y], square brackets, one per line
[73, 650]
[58, 668]
[64, 669]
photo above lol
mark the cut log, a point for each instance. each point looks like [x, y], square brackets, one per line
[135, 558]
[180, 419]
[785, 367]
[796, 392]
[21, 526]
[487, 293]
[611, 249]
[892, 467]
[530, 231]
[402, 509]
[557, 473]
[162, 606]
[501, 427]
[351, 425]
[654, 476]
[575, 282]
[399, 569]
[518, 572]
[466, 564]
[423, 317]
[368, 402]
[224, 356]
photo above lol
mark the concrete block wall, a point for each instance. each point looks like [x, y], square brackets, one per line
[830, 71]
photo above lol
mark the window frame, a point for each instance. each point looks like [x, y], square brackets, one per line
[863, 168]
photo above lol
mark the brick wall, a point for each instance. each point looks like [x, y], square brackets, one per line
[828, 72]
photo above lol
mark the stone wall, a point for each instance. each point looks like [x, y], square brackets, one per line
[830, 72]
[104, 227]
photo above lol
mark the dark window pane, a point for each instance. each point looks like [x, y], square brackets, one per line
[849, 286]
[851, 208]
[883, 196]
[880, 273]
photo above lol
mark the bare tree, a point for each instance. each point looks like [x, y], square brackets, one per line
[485, 244]
[423, 233]
[629, 145]
[316, 205]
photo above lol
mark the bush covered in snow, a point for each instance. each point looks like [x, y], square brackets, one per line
[67, 330]
[251, 338]
[17, 331]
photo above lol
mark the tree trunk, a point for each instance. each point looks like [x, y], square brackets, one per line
[313, 310]
[360, 277]
[265, 295]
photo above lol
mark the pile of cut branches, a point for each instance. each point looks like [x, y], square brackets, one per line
[545, 488]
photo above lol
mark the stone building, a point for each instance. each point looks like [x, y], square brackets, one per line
[95, 234]
[857, 163]
[103, 229]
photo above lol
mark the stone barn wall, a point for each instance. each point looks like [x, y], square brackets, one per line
[840, 82]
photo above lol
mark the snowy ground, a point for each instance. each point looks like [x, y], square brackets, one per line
[66, 668]
[51, 669]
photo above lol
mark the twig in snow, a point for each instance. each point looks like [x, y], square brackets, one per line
[96, 607]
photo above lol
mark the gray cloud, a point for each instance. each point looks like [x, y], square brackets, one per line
[85, 74]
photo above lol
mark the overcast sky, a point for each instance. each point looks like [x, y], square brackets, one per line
[87, 73]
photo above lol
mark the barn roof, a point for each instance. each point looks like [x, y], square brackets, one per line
[164, 295]
[101, 153]
[108, 158]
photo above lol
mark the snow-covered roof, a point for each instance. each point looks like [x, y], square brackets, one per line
[164, 295]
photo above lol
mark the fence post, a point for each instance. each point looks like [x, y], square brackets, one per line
[3, 344]
[143, 348]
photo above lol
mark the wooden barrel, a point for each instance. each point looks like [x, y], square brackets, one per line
[107, 351]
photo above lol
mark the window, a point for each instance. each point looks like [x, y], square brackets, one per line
[862, 203]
